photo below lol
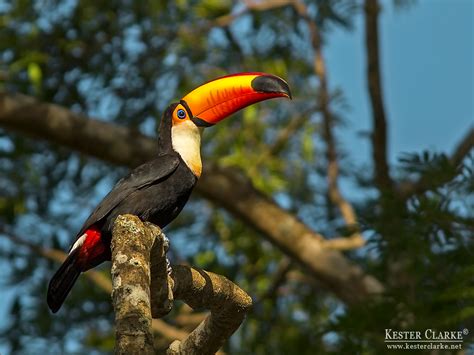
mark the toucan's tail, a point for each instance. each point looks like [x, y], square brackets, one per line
[62, 281]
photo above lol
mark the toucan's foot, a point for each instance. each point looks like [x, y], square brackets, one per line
[166, 247]
[166, 243]
[169, 269]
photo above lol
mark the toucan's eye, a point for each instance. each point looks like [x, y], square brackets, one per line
[181, 114]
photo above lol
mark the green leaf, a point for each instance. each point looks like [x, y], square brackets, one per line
[35, 75]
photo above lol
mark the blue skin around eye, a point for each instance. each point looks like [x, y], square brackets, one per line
[181, 114]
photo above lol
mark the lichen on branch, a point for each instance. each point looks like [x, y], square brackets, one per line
[131, 246]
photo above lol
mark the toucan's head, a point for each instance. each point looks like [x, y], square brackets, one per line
[213, 101]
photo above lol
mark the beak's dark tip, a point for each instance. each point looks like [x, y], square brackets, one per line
[271, 84]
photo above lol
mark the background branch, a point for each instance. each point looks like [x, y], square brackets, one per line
[379, 134]
[295, 123]
[345, 208]
[278, 279]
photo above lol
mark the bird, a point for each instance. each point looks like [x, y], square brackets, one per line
[157, 190]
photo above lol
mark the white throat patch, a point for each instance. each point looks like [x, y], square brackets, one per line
[186, 140]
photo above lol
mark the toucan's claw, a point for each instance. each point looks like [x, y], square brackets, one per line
[166, 247]
[169, 269]
[166, 242]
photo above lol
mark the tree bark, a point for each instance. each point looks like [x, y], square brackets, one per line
[131, 246]
[227, 302]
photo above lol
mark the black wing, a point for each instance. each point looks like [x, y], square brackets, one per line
[142, 176]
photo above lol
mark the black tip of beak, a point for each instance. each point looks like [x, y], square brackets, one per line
[271, 84]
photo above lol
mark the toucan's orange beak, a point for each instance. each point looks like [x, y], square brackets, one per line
[219, 98]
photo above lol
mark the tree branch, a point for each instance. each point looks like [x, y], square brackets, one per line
[226, 187]
[226, 20]
[379, 135]
[227, 302]
[463, 148]
[345, 208]
[131, 246]
[353, 241]
[266, 5]
[280, 141]
[278, 279]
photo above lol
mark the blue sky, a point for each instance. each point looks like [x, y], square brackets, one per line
[427, 66]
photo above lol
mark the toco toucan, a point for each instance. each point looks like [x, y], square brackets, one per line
[158, 190]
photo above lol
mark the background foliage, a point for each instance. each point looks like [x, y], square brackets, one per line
[124, 62]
